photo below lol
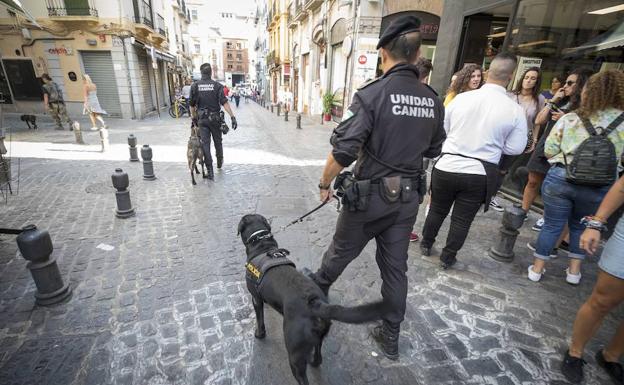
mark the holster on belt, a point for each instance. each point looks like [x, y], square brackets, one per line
[353, 194]
[390, 188]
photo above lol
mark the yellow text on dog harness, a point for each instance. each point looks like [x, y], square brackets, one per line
[252, 270]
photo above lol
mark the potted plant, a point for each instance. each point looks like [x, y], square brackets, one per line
[328, 101]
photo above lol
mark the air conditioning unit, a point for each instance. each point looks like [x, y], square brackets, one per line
[26, 34]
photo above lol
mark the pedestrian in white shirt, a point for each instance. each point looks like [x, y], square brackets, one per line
[481, 125]
[186, 92]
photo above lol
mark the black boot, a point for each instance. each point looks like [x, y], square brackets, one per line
[209, 172]
[219, 162]
[387, 338]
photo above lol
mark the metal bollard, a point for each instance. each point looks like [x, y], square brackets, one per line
[148, 166]
[78, 133]
[36, 247]
[279, 107]
[104, 139]
[134, 154]
[271, 108]
[122, 195]
[299, 121]
[513, 218]
[285, 115]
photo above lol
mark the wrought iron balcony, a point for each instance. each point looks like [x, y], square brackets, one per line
[160, 25]
[71, 8]
[143, 13]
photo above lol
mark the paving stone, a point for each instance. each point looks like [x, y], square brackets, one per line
[455, 346]
[516, 368]
[484, 344]
[434, 319]
[482, 366]
[487, 325]
[524, 339]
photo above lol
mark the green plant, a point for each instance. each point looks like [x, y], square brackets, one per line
[328, 101]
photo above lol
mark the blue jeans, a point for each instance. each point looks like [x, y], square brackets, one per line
[565, 203]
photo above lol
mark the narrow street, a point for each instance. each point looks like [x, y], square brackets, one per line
[160, 298]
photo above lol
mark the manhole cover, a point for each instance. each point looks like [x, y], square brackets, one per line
[100, 188]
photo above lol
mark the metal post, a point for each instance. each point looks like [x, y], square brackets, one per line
[271, 107]
[299, 121]
[132, 142]
[279, 107]
[122, 195]
[78, 133]
[148, 166]
[513, 218]
[36, 247]
[104, 139]
[286, 115]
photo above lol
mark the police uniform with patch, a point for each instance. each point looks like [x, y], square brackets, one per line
[208, 96]
[392, 123]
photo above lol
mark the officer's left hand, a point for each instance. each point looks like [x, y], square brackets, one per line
[234, 123]
[326, 194]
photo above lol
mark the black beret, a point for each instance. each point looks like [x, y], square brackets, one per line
[400, 26]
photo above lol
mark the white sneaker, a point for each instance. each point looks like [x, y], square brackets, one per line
[494, 205]
[533, 276]
[572, 279]
[94, 128]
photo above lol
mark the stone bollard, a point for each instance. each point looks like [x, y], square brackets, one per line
[122, 195]
[285, 115]
[279, 107]
[104, 139]
[36, 246]
[148, 166]
[134, 154]
[299, 121]
[78, 133]
[513, 218]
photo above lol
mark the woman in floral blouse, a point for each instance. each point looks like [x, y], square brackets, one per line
[602, 102]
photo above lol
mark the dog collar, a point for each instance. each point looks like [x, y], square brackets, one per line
[255, 237]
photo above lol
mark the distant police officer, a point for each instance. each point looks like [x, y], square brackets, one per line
[206, 100]
[391, 124]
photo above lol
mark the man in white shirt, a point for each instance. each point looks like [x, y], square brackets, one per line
[186, 92]
[481, 125]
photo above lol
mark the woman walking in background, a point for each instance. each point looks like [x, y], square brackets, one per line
[566, 99]
[468, 78]
[602, 108]
[91, 103]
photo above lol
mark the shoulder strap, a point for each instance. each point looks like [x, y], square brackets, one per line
[614, 124]
[588, 126]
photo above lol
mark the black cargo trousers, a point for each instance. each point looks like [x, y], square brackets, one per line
[390, 225]
[208, 128]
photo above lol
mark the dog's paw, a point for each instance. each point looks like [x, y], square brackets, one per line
[316, 363]
[260, 334]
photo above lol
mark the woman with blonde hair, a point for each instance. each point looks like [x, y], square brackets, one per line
[92, 104]
[468, 78]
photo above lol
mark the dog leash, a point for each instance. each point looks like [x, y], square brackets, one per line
[301, 218]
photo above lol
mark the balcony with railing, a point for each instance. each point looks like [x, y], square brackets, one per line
[182, 8]
[143, 16]
[272, 59]
[78, 10]
[311, 4]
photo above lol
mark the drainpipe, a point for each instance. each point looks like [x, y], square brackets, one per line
[33, 41]
[125, 53]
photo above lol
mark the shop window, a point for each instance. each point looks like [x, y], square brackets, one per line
[194, 14]
[22, 79]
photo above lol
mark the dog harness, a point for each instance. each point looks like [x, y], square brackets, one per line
[258, 266]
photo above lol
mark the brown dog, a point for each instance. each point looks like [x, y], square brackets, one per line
[194, 153]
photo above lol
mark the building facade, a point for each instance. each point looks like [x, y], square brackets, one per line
[124, 47]
[330, 47]
[261, 49]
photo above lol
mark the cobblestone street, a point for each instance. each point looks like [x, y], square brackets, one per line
[168, 303]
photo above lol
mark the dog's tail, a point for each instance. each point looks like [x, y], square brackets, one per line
[353, 315]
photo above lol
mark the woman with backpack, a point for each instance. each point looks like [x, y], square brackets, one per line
[583, 149]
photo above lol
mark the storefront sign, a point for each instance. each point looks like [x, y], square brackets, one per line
[64, 50]
[524, 63]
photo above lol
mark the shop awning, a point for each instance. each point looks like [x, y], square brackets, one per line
[614, 37]
[17, 7]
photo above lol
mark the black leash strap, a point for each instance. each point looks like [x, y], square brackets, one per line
[10, 231]
[301, 218]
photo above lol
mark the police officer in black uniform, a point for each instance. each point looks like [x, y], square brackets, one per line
[391, 124]
[206, 100]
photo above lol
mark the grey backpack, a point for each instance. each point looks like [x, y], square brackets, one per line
[595, 160]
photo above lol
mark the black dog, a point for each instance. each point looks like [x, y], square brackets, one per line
[273, 279]
[29, 119]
